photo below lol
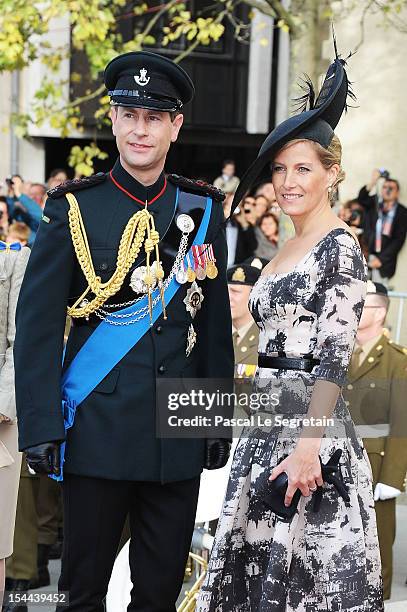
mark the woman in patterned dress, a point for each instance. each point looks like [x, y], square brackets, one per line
[307, 304]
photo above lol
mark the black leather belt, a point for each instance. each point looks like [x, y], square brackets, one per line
[305, 364]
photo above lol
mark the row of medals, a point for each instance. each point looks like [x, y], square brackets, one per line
[203, 264]
[198, 270]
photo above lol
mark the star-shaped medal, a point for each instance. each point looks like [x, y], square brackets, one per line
[193, 299]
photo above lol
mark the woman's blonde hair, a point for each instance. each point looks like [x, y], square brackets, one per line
[328, 158]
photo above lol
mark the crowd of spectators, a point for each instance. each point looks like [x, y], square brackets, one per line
[21, 206]
[379, 221]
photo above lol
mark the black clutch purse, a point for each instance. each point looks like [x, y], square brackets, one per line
[274, 491]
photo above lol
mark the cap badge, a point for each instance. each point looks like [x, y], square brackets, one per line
[239, 275]
[143, 79]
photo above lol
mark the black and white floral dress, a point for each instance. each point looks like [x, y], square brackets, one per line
[319, 562]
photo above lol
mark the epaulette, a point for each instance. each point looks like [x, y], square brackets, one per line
[197, 186]
[76, 185]
[398, 347]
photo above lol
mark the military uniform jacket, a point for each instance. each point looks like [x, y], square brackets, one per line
[114, 435]
[246, 350]
[377, 392]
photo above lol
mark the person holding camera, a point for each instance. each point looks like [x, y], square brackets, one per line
[21, 207]
[240, 232]
[385, 225]
[353, 213]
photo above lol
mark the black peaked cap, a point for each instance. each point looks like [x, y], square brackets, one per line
[143, 79]
[246, 273]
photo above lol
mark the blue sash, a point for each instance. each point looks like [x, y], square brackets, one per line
[108, 344]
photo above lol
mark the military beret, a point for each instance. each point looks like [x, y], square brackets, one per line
[246, 273]
[143, 79]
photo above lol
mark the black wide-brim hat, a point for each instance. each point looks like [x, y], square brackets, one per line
[317, 124]
[141, 79]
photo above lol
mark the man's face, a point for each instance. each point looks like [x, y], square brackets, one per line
[37, 193]
[239, 300]
[3, 209]
[144, 136]
[228, 170]
[373, 313]
[3, 216]
[261, 205]
[390, 192]
[11, 238]
[56, 180]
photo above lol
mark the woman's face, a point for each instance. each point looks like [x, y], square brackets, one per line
[300, 180]
[269, 227]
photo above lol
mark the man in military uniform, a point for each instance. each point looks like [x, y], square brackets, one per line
[376, 394]
[241, 279]
[139, 258]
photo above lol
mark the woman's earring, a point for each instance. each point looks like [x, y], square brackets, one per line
[329, 189]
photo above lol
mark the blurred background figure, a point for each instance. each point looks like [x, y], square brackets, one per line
[261, 206]
[12, 267]
[4, 218]
[227, 181]
[241, 279]
[18, 232]
[267, 236]
[385, 224]
[56, 177]
[376, 394]
[240, 230]
[353, 213]
[38, 193]
[21, 207]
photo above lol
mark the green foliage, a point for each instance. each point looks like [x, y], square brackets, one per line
[82, 158]
[26, 30]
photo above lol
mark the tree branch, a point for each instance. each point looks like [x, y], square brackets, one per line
[275, 9]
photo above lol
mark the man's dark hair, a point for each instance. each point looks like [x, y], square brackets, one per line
[392, 180]
[227, 162]
[55, 172]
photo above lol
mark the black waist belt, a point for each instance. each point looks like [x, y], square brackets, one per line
[287, 363]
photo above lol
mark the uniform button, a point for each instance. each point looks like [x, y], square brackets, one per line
[372, 385]
[350, 387]
[161, 369]
[371, 359]
[103, 266]
[382, 453]
[379, 348]
[158, 329]
[243, 349]
[347, 402]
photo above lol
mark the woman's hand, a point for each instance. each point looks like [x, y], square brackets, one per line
[302, 468]
[4, 418]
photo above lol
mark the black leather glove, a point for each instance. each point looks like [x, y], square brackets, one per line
[44, 458]
[216, 453]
